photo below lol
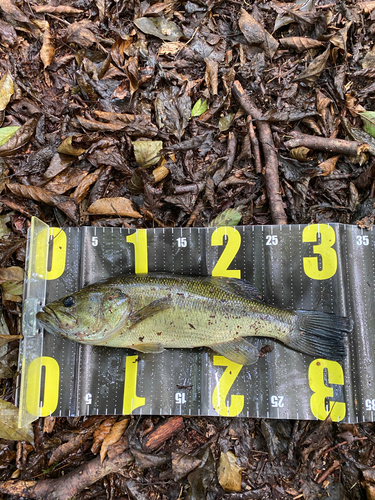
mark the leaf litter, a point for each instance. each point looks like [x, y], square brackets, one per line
[143, 114]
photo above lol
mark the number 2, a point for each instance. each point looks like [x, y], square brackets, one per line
[229, 252]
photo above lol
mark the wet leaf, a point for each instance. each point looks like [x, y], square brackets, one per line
[66, 180]
[64, 203]
[113, 206]
[147, 152]
[84, 185]
[6, 133]
[59, 162]
[255, 34]
[328, 166]
[284, 11]
[228, 472]
[131, 69]
[94, 126]
[7, 33]
[9, 424]
[80, 32]
[67, 147]
[339, 39]
[183, 464]
[20, 138]
[368, 118]
[172, 111]
[229, 217]
[9, 8]
[6, 90]
[48, 50]
[226, 121]
[212, 81]
[299, 43]
[113, 436]
[199, 107]
[314, 69]
[159, 27]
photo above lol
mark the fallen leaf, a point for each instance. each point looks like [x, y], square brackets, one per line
[183, 464]
[159, 27]
[5, 339]
[101, 433]
[20, 138]
[226, 121]
[67, 147]
[328, 166]
[113, 206]
[299, 43]
[64, 203]
[211, 77]
[114, 435]
[131, 70]
[301, 153]
[13, 273]
[199, 108]
[9, 424]
[9, 8]
[94, 126]
[229, 217]
[255, 34]
[84, 185]
[6, 133]
[285, 11]
[59, 163]
[66, 180]
[6, 90]
[80, 32]
[228, 472]
[172, 111]
[147, 152]
[368, 118]
[170, 48]
[339, 39]
[56, 9]
[314, 69]
[48, 50]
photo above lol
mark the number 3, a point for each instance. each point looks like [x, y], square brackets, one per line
[324, 249]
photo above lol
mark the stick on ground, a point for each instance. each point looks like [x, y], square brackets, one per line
[351, 148]
[271, 172]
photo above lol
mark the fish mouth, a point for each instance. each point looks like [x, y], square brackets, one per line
[48, 317]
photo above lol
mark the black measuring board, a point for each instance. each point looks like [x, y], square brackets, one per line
[329, 267]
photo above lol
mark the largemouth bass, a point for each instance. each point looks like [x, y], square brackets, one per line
[152, 312]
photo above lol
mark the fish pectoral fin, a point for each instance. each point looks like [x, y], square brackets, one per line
[148, 348]
[240, 351]
[150, 310]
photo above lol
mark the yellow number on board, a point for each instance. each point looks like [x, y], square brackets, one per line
[50, 395]
[57, 238]
[337, 410]
[223, 386]
[131, 400]
[229, 252]
[324, 249]
[139, 240]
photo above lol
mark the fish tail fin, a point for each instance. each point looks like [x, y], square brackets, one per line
[321, 334]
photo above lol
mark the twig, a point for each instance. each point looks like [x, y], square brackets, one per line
[334, 466]
[220, 174]
[71, 484]
[271, 173]
[351, 148]
[255, 146]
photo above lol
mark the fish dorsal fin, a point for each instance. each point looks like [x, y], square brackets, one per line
[239, 287]
[240, 351]
[150, 310]
[148, 348]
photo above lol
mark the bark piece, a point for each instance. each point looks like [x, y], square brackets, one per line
[163, 432]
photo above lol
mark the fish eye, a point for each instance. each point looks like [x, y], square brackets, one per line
[69, 302]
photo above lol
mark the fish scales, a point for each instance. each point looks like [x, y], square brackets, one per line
[151, 312]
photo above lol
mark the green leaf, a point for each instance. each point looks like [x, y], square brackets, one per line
[229, 217]
[368, 118]
[199, 107]
[6, 133]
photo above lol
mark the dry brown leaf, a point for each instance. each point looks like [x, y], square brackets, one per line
[13, 273]
[80, 32]
[48, 50]
[6, 90]
[113, 206]
[255, 34]
[158, 7]
[9, 8]
[84, 186]
[67, 147]
[20, 138]
[101, 433]
[300, 153]
[56, 9]
[147, 152]
[228, 472]
[64, 203]
[367, 7]
[131, 69]
[68, 179]
[339, 39]
[314, 69]
[95, 126]
[114, 435]
[328, 166]
[5, 339]
[59, 162]
[212, 70]
[9, 424]
[170, 48]
[299, 43]
[48, 424]
[111, 116]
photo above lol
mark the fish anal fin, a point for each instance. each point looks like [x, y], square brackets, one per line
[240, 351]
[150, 348]
[150, 310]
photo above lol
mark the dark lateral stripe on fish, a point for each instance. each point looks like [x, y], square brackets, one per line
[322, 334]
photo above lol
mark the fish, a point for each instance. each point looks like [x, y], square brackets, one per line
[149, 313]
